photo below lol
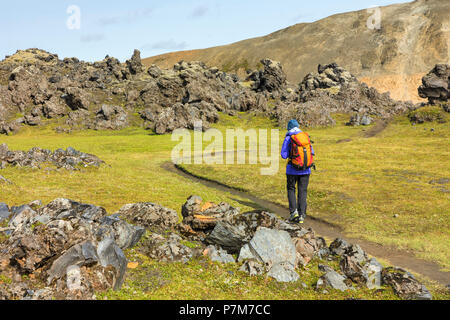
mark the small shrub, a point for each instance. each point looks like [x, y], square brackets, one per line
[427, 114]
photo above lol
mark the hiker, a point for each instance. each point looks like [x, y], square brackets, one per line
[297, 147]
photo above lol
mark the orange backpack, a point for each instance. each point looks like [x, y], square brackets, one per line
[301, 156]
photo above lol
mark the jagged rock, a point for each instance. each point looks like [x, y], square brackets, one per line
[76, 98]
[125, 234]
[204, 216]
[168, 248]
[354, 270]
[150, 215]
[275, 251]
[23, 217]
[305, 250]
[332, 279]
[232, 233]
[339, 247]
[154, 71]
[357, 120]
[135, 63]
[81, 254]
[374, 269]
[111, 255]
[218, 255]
[324, 268]
[271, 79]
[308, 114]
[404, 284]
[32, 120]
[283, 272]
[334, 89]
[111, 117]
[245, 253]
[253, 268]
[435, 85]
[69, 159]
[4, 211]
[62, 208]
[63, 237]
[272, 247]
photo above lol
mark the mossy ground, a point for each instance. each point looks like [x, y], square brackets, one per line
[133, 174]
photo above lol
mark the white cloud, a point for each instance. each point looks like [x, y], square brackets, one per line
[166, 44]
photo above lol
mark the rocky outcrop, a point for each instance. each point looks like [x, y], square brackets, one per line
[271, 79]
[108, 95]
[135, 64]
[105, 95]
[74, 248]
[333, 89]
[69, 159]
[203, 216]
[436, 84]
[150, 215]
[404, 284]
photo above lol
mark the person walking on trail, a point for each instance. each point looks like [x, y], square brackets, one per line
[298, 149]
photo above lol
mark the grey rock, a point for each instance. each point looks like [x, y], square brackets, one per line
[354, 270]
[333, 280]
[218, 255]
[374, 269]
[231, 234]
[324, 268]
[435, 85]
[252, 267]
[168, 248]
[405, 284]
[79, 255]
[4, 211]
[283, 272]
[23, 217]
[111, 255]
[245, 253]
[150, 215]
[339, 246]
[273, 247]
[127, 235]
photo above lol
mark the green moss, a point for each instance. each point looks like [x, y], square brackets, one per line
[5, 279]
[190, 244]
[427, 114]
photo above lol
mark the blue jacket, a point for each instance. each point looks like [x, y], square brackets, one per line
[285, 151]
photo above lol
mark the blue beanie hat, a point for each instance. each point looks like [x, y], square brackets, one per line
[293, 124]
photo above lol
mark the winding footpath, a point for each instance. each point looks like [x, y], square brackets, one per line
[401, 258]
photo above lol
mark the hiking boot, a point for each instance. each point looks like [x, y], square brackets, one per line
[301, 218]
[295, 217]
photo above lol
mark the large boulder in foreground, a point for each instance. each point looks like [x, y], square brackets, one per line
[232, 233]
[276, 251]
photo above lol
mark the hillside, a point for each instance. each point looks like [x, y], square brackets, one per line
[413, 37]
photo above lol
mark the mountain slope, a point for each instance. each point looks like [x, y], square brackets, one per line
[413, 37]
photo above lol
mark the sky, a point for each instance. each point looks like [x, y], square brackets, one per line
[92, 29]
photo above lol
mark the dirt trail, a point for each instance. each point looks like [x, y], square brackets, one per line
[397, 257]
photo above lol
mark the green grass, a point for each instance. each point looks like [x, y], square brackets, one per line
[134, 174]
